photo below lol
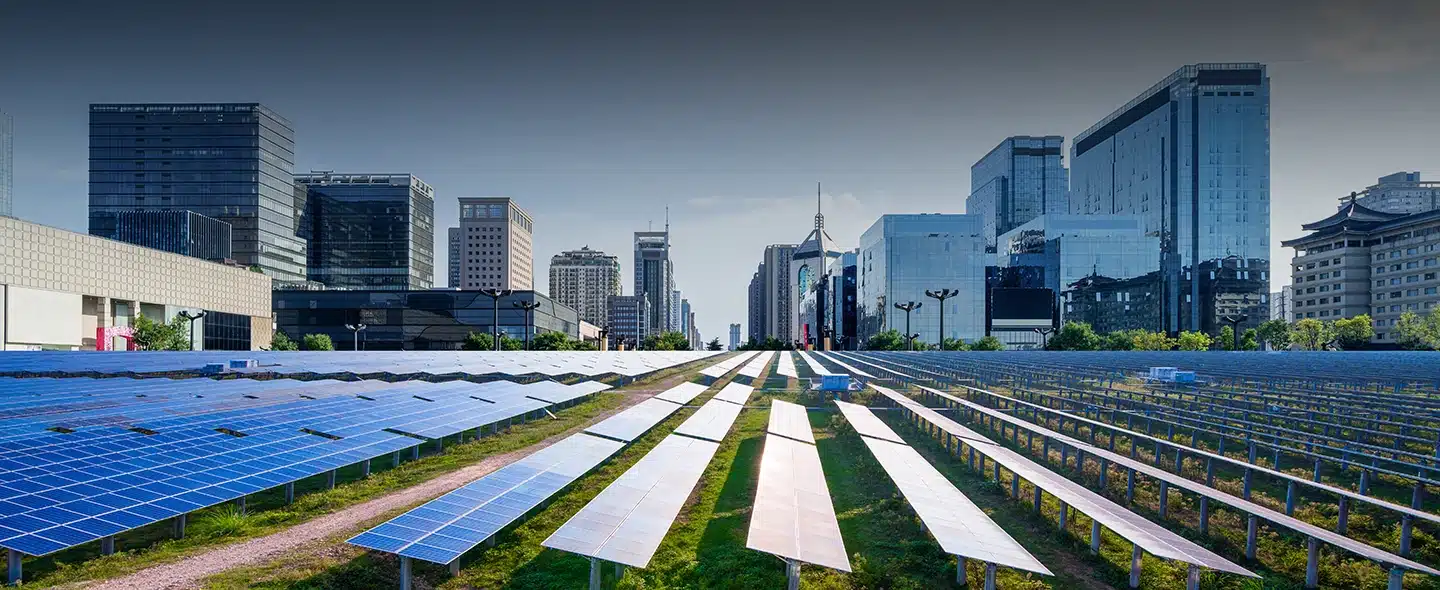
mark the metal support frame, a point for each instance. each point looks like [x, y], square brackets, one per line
[455, 567]
[290, 493]
[989, 576]
[1192, 578]
[1129, 485]
[365, 468]
[1290, 498]
[594, 573]
[1397, 578]
[1064, 515]
[415, 453]
[330, 479]
[792, 575]
[1312, 562]
[180, 526]
[1094, 536]
[1252, 524]
[1204, 515]
[1164, 498]
[1342, 521]
[960, 579]
[405, 582]
[1407, 528]
[1135, 556]
[107, 545]
[240, 504]
[14, 569]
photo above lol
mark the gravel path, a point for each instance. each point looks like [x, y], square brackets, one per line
[190, 571]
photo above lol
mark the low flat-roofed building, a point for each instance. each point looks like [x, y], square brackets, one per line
[62, 290]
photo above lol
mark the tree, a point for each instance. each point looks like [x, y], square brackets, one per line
[1075, 336]
[1312, 334]
[585, 345]
[1249, 341]
[1147, 340]
[714, 345]
[1276, 333]
[887, 340]
[511, 344]
[1227, 338]
[282, 342]
[988, 343]
[552, 341]
[667, 341]
[1194, 341]
[1119, 340]
[1418, 332]
[478, 341]
[153, 335]
[1352, 333]
[317, 342]
[955, 344]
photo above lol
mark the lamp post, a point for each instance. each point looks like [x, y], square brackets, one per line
[605, 338]
[1044, 336]
[908, 307]
[1234, 321]
[356, 329]
[527, 307]
[942, 295]
[192, 317]
[910, 340]
[495, 295]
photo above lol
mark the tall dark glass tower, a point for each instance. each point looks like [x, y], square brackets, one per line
[369, 231]
[1021, 179]
[232, 162]
[1191, 157]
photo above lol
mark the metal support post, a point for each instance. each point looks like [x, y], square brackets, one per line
[1251, 529]
[997, 472]
[180, 526]
[1037, 498]
[960, 573]
[1014, 485]
[415, 453]
[1064, 515]
[1164, 498]
[1129, 485]
[365, 468]
[1312, 562]
[330, 479]
[594, 574]
[1290, 498]
[455, 567]
[290, 493]
[1192, 578]
[14, 570]
[1104, 473]
[1407, 525]
[1342, 521]
[1094, 536]
[107, 546]
[1397, 578]
[619, 571]
[989, 576]
[1204, 515]
[1135, 556]
[240, 504]
[395, 461]
[1316, 476]
[792, 575]
[405, 583]
[1364, 482]
[1245, 491]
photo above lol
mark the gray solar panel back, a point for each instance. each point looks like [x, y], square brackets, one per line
[790, 421]
[635, 421]
[735, 393]
[711, 421]
[865, 422]
[682, 393]
[793, 516]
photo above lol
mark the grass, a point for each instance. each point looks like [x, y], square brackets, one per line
[268, 513]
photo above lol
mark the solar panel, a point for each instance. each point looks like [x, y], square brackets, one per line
[1326, 535]
[626, 522]
[753, 368]
[960, 526]
[814, 366]
[683, 393]
[442, 530]
[635, 421]
[865, 422]
[559, 393]
[790, 421]
[1153, 538]
[719, 369]
[792, 516]
[850, 369]
[735, 393]
[786, 366]
[711, 421]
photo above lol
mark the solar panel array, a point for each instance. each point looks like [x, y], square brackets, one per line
[719, 369]
[443, 529]
[635, 421]
[351, 364]
[735, 393]
[683, 393]
[711, 421]
[1155, 539]
[126, 453]
[848, 368]
[814, 366]
[753, 368]
[786, 367]
[960, 526]
[626, 522]
[790, 421]
[792, 516]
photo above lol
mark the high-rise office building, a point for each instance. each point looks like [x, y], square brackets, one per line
[7, 165]
[453, 240]
[677, 316]
[369, 231]
[840, 301]
[496, 244]
[655, 277]
[584, 280]
[685, 316]
[233, 162]
[755, 313]
[903, 256]
[629, 320]
[1191, 157]
[1401, 192]
[1020, 179]
[179, 232]
[780, 297]
[807, 266]
[734, 336]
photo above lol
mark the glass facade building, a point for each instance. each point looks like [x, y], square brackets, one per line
[841, 301]
[1191, 157]
[1021, 178]
[902, 256]
[233, 162]
[1102, 270]
[7, 165]
[414, 320]
[655, 278]
[369, 231]
[226, 331]
[180, 232]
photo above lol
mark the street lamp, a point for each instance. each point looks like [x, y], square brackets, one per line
[1044, 336]
[908, 307]
[910, 340]
[1234, 321]
[495, 295]
[604, 338]
[356, 329]
[192, 317]
[527, 307]
[942, 295]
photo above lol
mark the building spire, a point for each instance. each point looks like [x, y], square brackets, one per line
[819, 223]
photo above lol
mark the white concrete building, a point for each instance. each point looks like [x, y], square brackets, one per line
[584, 280]
[61, 290]
[496, 247]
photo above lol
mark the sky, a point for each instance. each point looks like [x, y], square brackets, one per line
[596, 115]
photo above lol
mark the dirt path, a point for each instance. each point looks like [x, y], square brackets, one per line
[190, 571]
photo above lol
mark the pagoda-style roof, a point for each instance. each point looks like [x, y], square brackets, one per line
[1352, 216]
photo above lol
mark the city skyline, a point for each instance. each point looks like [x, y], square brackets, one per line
[596, 170]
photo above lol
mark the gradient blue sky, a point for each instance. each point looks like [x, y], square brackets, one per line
[595, 115]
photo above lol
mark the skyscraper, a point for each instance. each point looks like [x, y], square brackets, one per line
[734, 336]
[496, 244]
[369, 231]
[808, 265]
[1021, 178]
[1401, 192]
[677, 315]
[452, 235]
[584, 280]
[628, 320]
[180, 232]
[755, 316]
[229, 161]
[903, 256]
[654, 276]
[1191, 157]
[7, 164]
[779, 296]
[685, 315]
